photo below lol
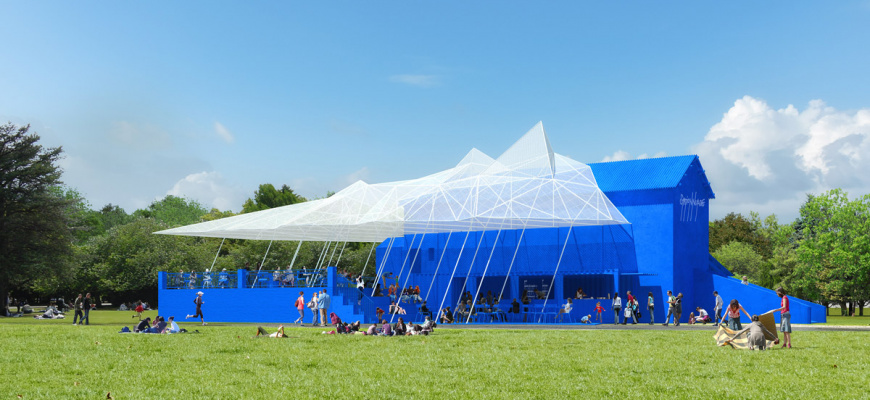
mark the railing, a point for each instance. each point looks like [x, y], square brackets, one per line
[286, 278]
[362, 304]
[252, 279]
[202, 280]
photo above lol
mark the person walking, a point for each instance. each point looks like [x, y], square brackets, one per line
[671, 301]
[678, 308]
[198, 301]
[785, 317]
[324, 303]
[717, 307]
[616, 305]
[312, 304]
[650, 305]
[300, 306]
[630, 308]
[86, 304]
[77, 305]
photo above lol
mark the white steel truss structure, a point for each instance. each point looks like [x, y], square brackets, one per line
[529, 186]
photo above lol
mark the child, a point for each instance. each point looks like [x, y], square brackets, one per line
[599, 310]
[139, 309]
[586, 319]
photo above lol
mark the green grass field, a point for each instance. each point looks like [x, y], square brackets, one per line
[53, 359]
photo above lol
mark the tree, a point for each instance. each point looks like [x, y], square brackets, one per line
[741, 259]
[34, 236]
[123, 264]
[174, 211]
[267, 197]
[834, 254]
[737, 227]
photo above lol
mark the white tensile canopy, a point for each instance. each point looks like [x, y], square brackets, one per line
[529, 186]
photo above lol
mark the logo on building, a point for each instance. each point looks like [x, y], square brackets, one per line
[689, 207]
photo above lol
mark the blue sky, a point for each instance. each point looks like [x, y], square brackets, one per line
[210, 99]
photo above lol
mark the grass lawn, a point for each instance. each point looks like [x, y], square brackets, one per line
[838, 320]
[53, 359]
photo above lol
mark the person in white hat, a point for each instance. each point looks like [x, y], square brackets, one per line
[198, 301]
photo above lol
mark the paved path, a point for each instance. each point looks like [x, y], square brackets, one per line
[656, 327]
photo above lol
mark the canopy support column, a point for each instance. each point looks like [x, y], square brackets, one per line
[485, 268]
[261, 264]
[450, 281]
[549, 289]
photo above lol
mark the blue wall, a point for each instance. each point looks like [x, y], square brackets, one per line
[664, 248]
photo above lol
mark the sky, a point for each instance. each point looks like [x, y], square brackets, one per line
[208, 100]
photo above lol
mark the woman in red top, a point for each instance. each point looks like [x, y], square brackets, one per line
[785, 318]
[300, 305]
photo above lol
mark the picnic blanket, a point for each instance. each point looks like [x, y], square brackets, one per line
[725, 336]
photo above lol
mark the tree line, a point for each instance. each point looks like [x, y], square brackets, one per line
[53, 243]
[823, 256]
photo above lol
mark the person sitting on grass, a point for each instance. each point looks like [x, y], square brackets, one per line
[757, 332]
[386, 329]
[171, 326]
[158, 327]
[143, 325]
[278, 334]
[587, 319]
[428, 326]
[400, 329]
[373, 330]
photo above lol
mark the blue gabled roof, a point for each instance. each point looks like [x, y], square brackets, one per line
[644, 174]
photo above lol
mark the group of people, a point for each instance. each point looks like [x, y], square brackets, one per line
[319, 305]
[191, 280]
[159, 325]
[756, 331]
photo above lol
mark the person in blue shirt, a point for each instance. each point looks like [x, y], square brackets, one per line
[323, 303]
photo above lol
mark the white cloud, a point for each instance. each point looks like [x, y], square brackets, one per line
[762, 159]
[210, 189]
[621, 155]
[419, 80]
[224, 133]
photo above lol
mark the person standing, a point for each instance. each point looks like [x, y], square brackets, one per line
[717, 307]
[678, 308]
[616, 305]
[300, 306]
[312, 304]
[785, 317]
[198, 301]
[361, 286]
[733, 314]
[86, 304]
[650, 305]
[630, 308]
[324, 303]
[77, 305]
[671, 301]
